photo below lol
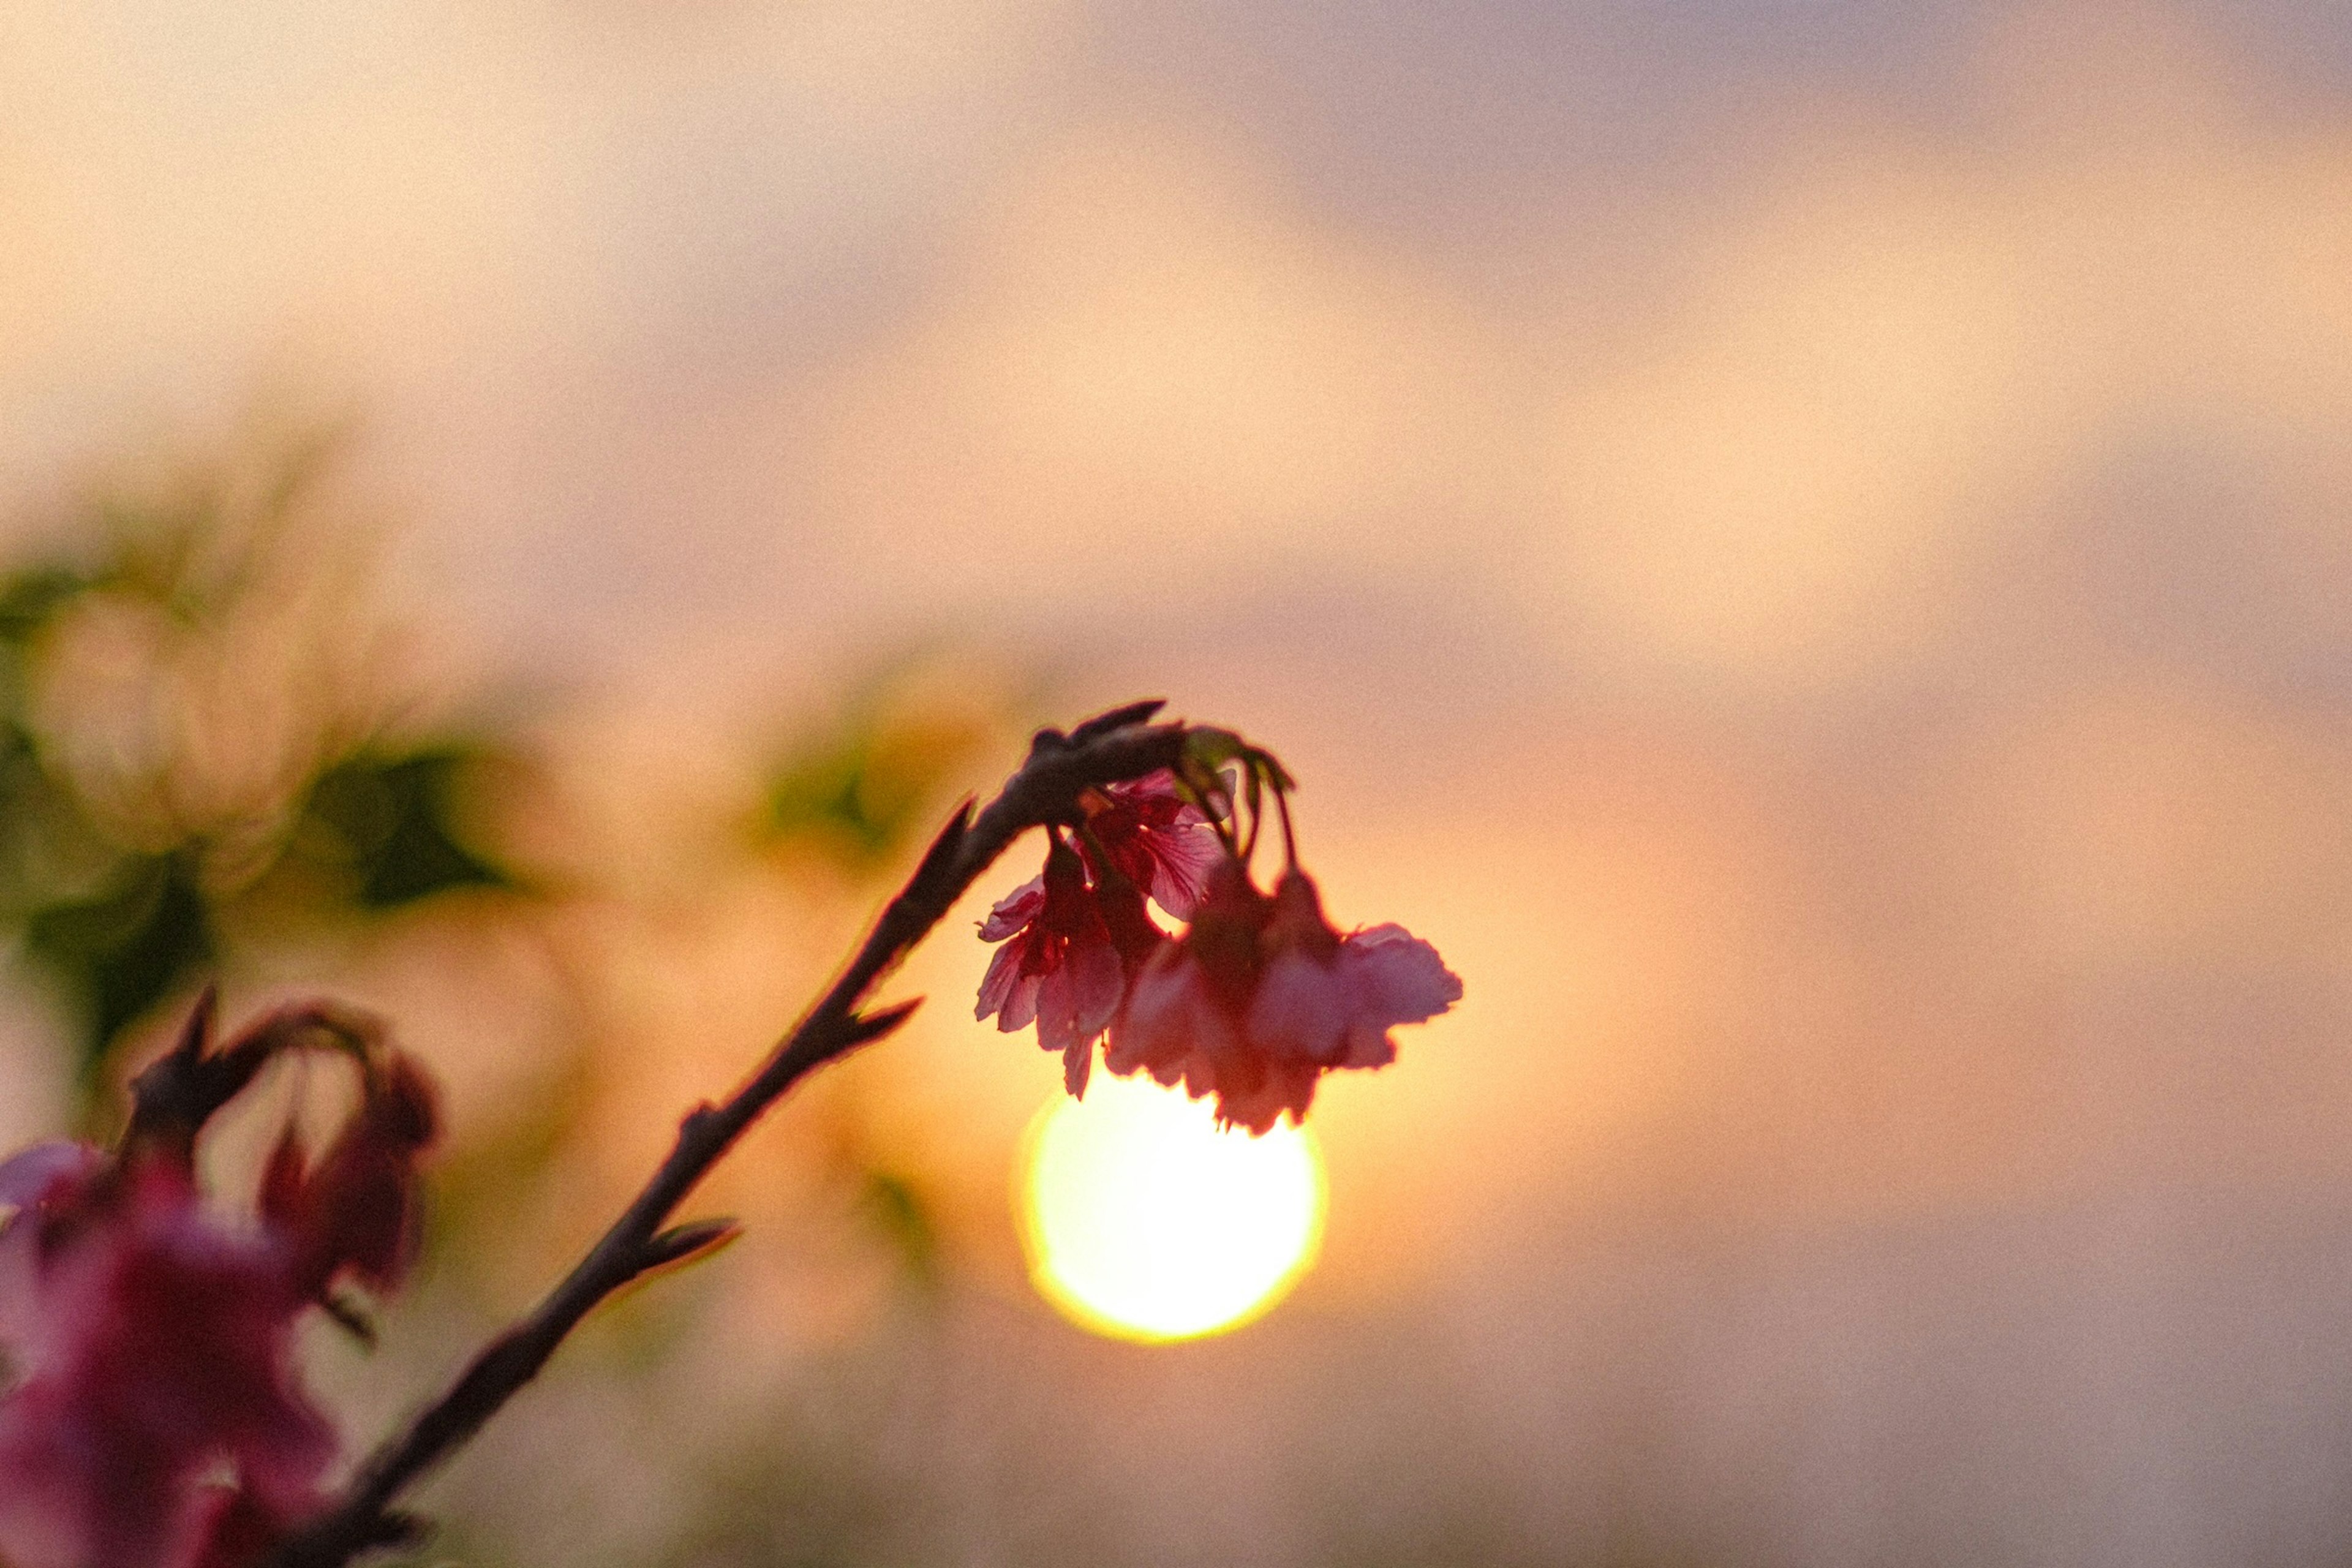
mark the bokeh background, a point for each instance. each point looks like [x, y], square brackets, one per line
[1804, 544]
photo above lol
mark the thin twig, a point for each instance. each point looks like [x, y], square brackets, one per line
[1115, 747]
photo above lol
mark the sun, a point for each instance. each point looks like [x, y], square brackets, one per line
[1143, 1221]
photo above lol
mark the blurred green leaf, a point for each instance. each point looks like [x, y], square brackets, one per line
[30, 598]
[863, 792]
[385, 822]
[41, 830]
[119, 914]
[119, 953]
[904, 1218]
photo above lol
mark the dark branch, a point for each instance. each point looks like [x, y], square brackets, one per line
[176, 1094]
[1115, 747]
[1102, 724]
[685, 1243]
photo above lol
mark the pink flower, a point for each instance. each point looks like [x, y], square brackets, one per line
[356, 1210]
[155, 1420]
[156, 1406]
[42, 1185]
[1260, 997]
[1058, 968]
[1157, 840]
[1332, 1000]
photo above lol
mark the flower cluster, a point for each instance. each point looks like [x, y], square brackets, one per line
[155, 1419]
[1253, 1001]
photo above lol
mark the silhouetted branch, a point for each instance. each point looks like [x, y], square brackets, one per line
[1115, 747]
[175, 1095]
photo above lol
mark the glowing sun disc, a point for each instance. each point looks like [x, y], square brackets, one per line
[1143, 1221]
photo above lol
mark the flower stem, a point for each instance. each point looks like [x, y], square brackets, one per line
[1290, 839]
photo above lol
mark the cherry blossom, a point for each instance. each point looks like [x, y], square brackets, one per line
[1155, 838]
[1261, 996]
[356, 1209]
[1332, 1000]
[1058, 967]
[157, 1403]
[155, 1419]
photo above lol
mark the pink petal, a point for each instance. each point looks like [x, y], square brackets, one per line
[996, 986]
[1098, 984]
[1155, 788]
[1199, 1075]
[1078, 1001]
[45, 1172]
[27, 1176]
[20, 1291]
[1077, 1063]
[1400, 977]
[1286, 1086]
[1181, 859]
[168, 1353]
[1160, 1022]
[1020, 1004]
[1153, 797]
[42, 1522]
[1172, 1027]
[1368, 1046]
[1017, 908]
[1302, 1008]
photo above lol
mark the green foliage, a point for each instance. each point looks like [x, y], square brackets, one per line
[116, 945]
[120, 914]
[29, 599]
[40, 825]
[383, 820]
[120, 952]
[862, 792]
[900, 1213]
[378, 824]
[43, 839]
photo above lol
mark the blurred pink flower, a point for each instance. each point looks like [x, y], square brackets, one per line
[157, 1423]
[1261, 996]
[1331, 999]
[1155, 839]
[356, 1209]
[1058, 967]
[155, 1420]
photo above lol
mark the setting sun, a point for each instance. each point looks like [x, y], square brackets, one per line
[1143, 1221]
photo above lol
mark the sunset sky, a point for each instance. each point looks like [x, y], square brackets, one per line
[1802, 544]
